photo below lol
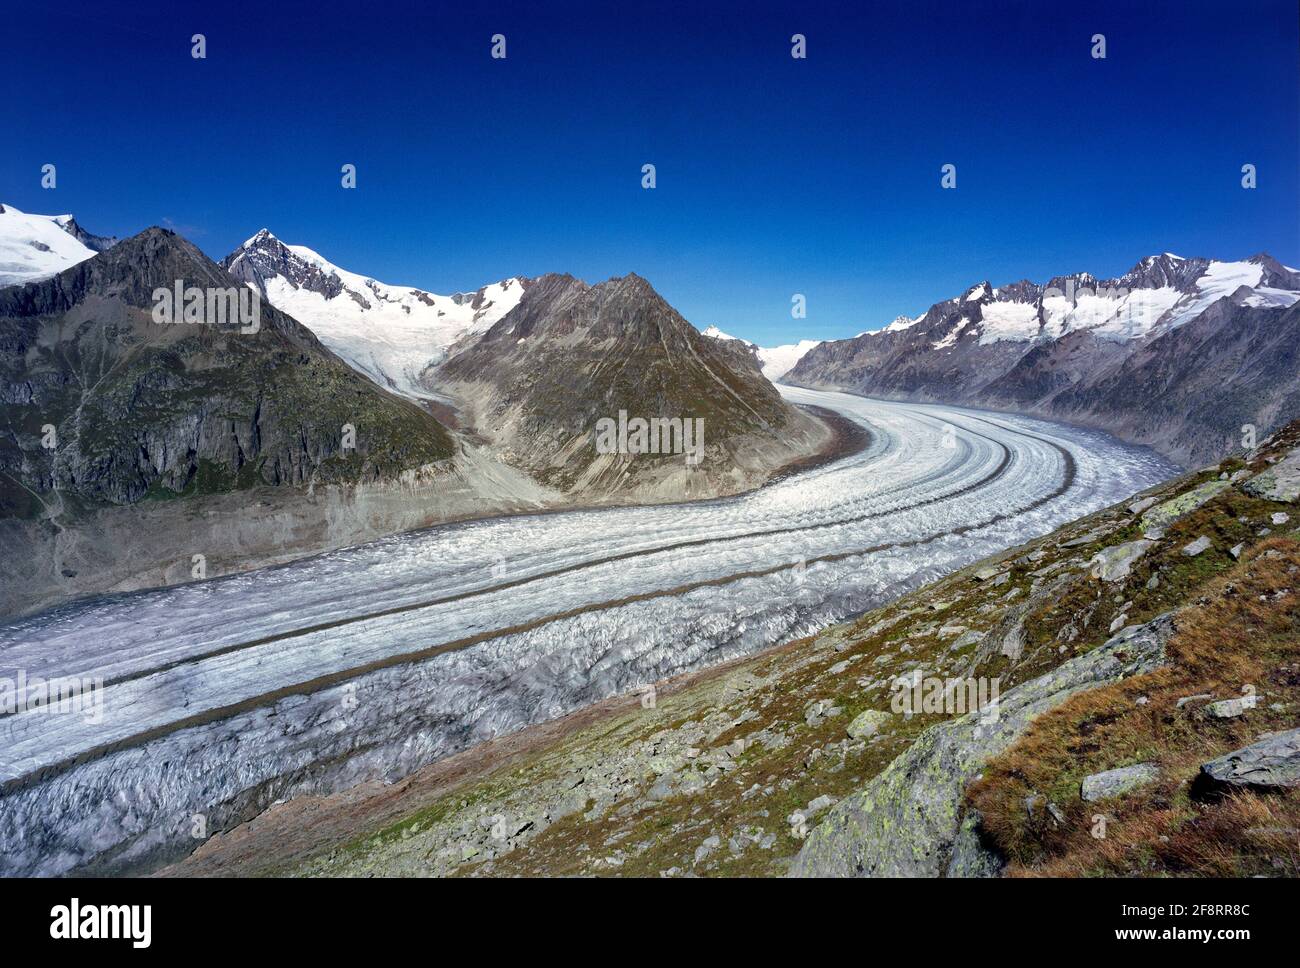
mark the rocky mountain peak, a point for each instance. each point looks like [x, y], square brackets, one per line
[97, 243]
[1276, 275]
[264, 257]
[1164, 271]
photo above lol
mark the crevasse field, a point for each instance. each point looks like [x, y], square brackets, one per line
[225, 696]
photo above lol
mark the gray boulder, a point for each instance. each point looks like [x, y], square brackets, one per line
[1227, 708]
[867, 723]
[1281, 482]
[1272, 763]
[1114, 564]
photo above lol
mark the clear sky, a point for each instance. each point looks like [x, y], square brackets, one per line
[775, 176]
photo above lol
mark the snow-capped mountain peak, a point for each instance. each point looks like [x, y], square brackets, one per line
[34, 247]
[901, 323]
[392, 334]
[1160, 293]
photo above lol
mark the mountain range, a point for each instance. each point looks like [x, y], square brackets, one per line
[1178, 354]
[137, 452]
[776, 361]
[360, 408]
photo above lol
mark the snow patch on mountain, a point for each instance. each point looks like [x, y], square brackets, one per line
[35, 247]
[1225, 279]
[392, 334]
[1009, 321]
[776, 361]
[901, 323]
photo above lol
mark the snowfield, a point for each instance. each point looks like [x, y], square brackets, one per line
[35, 247]
[775, 361]
[222, 697]
[392, 334]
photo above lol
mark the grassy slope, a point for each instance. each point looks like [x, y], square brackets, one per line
[1244, 630]
[732, 752]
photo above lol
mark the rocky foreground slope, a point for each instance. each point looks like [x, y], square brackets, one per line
[1177, 354]
[1147, 660]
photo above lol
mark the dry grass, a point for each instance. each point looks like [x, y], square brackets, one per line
[1244, 630]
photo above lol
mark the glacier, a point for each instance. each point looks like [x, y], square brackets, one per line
[222, 697]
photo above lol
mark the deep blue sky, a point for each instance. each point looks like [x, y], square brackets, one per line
[775, 176]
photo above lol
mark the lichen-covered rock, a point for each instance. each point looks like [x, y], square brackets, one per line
[1227, 708]
[1281, 482]
[1115, 563]
[1161, 517]
[970, 858]
[1137, 507]
[867, 723]
[906, 822]
[1273, 763]
[1113, 783]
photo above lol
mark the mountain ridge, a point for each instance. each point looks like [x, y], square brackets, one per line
[1055, 349]
[393, 334]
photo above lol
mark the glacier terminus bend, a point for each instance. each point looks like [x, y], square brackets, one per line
[222, 697]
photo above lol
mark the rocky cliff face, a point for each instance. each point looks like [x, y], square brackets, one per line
[540, 381]
[107, 406]
[1177, 353]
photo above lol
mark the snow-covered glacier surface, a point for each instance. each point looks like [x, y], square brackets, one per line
[224, 696]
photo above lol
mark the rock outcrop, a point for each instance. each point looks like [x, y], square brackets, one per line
[1272, 763]
[908, 820]
[1116, 782]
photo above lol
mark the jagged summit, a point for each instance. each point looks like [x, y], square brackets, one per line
[392, 334]
[1138, 355]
